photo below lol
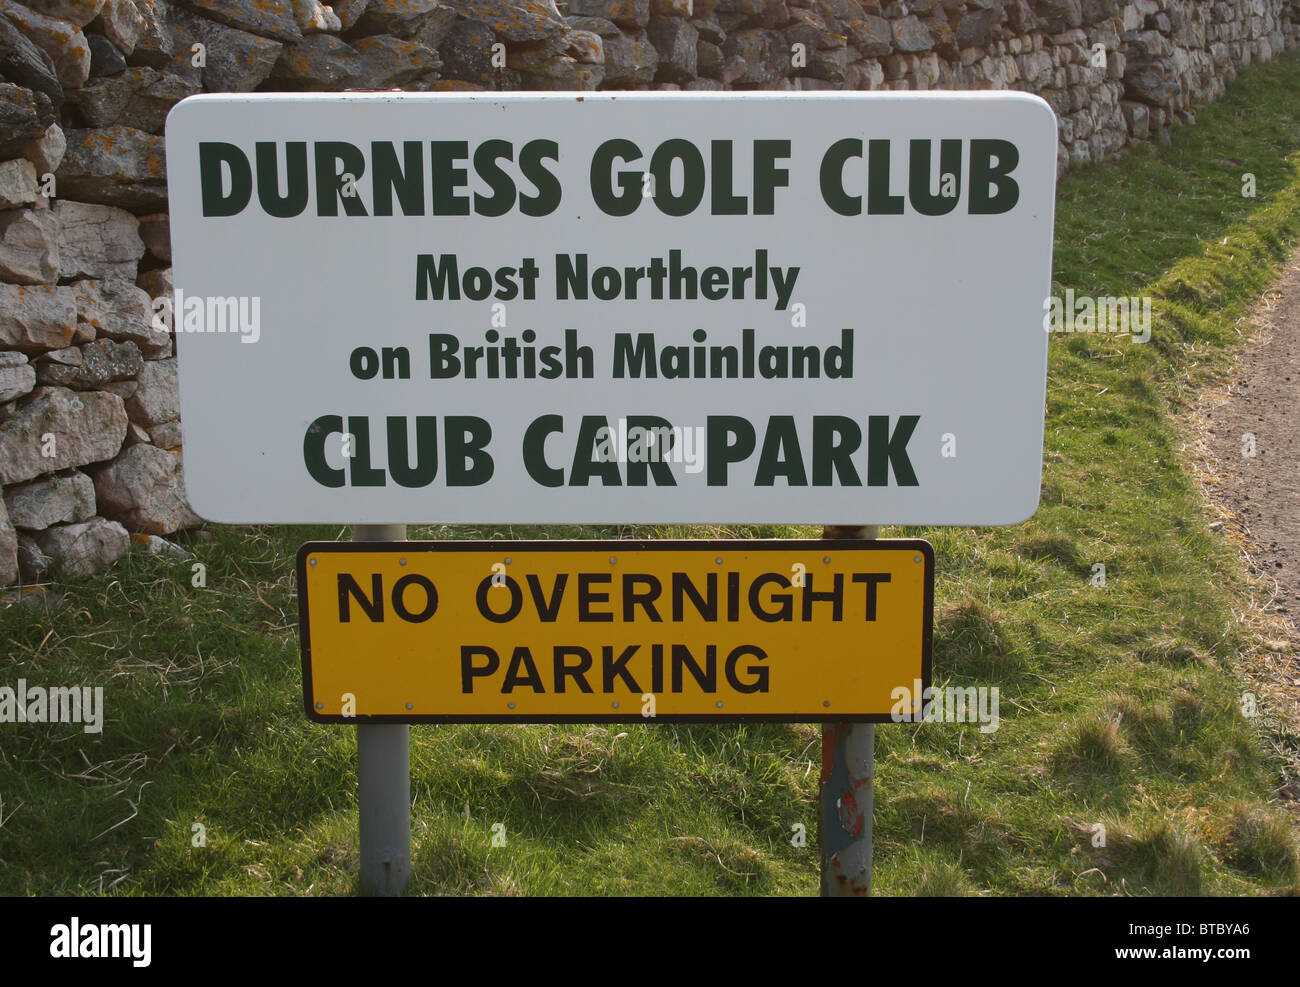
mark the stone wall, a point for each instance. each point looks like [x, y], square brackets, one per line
[89, 433]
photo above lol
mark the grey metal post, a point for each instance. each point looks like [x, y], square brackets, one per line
[848, 766]
[384, 781]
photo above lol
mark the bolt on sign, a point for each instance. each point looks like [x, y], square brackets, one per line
[653, 307]
[414, 632]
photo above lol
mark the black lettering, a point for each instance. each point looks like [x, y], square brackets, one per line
[313, 451]
[547, 610]
[426, 450]
[706, 678]
[730, 440]
[984, 173]
[470, 671]
[542, 473]
[832, 177]
[468, 461]
[611, 667]
[349, 589]
[443, 279]
[885, 450]
[767, 176]
[918, 189]
[577, 672]
[784, 601]
[879, 201]
[632, 598]
[360, 472]
[486, 595]
[602, 191]
[831, 458]
[522, 657]
[706, 606]
[502, 199]
[294, 200]
[758, 673]
[872, 579]
[586, 597]
[693, 172]
[834, 596]
[212, 156]
[547, 199]
[331, 187]
[399, 598]
[406, 179]
[446, 179]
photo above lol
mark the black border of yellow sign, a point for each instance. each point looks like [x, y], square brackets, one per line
[616, 546]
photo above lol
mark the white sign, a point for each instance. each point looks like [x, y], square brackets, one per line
[667, 307]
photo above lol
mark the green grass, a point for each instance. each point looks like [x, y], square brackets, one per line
[1123, 764]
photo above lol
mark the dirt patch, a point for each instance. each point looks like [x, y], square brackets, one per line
[1253, 438]
[1246, 439]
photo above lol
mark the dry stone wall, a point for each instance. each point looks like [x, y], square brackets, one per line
[90, 453]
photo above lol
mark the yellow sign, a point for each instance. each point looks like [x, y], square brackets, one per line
[415, 632]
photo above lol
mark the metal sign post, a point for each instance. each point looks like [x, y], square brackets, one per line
[848, 767]
[383, 781]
